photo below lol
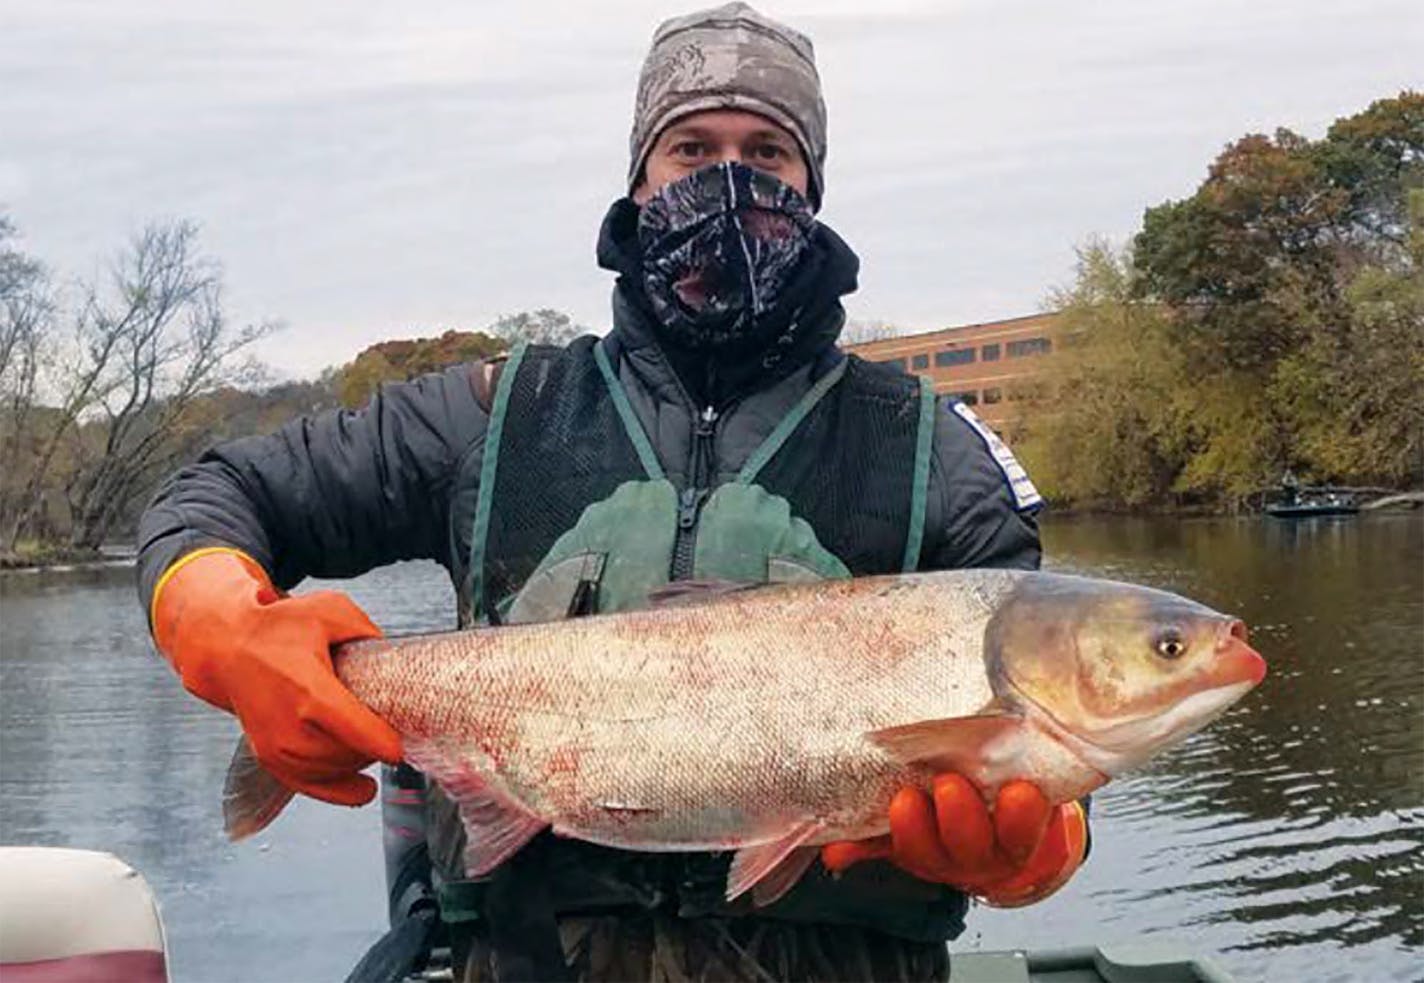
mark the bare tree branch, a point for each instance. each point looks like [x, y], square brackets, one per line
[149, 341]
[858, 331]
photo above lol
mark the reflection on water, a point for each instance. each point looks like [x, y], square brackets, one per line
[102, 749]
[1288, 839]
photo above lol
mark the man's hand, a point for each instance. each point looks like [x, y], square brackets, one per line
[243, 646]
[1021, 853]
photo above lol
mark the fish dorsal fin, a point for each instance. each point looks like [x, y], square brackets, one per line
[957, 744]
[779, 864]
[252, 795]
[681, 592]
[496, 826]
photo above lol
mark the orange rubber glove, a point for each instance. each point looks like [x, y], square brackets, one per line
[245, 647]
[1021, 853]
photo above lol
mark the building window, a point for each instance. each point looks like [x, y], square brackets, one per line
[899, 363]
[920, 362]
[992, 395]
[1030, 346]
[990, 353]
[970, 398]
[954, 356]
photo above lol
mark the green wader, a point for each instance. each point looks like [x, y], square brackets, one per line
[567, 910]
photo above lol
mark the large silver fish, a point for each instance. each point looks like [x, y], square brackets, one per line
[772, 720]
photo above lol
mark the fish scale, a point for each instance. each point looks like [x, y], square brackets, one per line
[775, 719]
[676, 707]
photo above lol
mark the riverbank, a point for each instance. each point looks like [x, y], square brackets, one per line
[1402, 500]
[34, 556]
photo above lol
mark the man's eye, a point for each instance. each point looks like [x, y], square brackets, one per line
[768, 152]
[688, 149]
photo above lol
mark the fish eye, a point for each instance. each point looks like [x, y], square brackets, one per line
[1170, 644]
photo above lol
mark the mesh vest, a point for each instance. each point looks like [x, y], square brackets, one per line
[575, 515]
[851, 461]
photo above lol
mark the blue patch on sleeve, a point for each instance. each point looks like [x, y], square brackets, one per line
[1025, 495]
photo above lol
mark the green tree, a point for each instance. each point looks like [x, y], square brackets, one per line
[1372, 156]
[359, 379]
[1112, 433]
[1291, 277]
[545, 326]
[1257, 230]
[1356, 397]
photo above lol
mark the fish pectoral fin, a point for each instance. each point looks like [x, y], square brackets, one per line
[496, 826]
[772, 868]
[958, 744]
[784, 876]
[681, 592]
[252, 795]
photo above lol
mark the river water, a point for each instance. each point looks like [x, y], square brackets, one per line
[1287, 841]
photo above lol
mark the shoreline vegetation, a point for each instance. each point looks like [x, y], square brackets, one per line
[1271, 323]
[36, 556]
[39, 558]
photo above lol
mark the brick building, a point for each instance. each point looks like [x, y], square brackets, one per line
[990, 366]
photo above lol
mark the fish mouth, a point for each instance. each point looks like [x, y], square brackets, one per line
[1124, 746]
[1235, 660]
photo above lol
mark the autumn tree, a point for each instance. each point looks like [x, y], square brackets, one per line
[1276, 272]
[406, 358]
[1235, 258]
[398, 360]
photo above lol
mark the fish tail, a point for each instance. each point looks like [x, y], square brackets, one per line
[252, 796]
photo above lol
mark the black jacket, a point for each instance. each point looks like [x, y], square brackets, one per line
[337, 494]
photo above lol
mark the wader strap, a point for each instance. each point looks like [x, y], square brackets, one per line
[789, 423]
[489, 466]
[920, 484]
[625, 413]
[402, 952]
[519, 912]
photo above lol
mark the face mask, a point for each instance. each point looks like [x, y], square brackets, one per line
[720, 248]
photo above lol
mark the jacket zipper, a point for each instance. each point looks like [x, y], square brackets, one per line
[689, 502]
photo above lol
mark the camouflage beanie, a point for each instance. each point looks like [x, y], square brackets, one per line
[730, 57]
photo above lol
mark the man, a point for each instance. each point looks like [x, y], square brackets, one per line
[716, 432]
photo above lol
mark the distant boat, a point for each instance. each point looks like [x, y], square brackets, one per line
[1308, 510]
[1303, 502]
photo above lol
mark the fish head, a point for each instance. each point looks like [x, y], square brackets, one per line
[1115, 671]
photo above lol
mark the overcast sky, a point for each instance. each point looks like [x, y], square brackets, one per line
[370, 170]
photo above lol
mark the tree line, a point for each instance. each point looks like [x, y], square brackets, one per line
[1271, 322]
[104, 382]
[109, 384]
